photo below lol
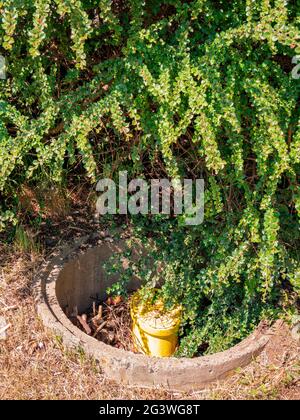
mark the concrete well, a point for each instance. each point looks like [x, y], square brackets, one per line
[75, 275]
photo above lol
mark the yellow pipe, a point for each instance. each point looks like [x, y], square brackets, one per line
[155, 330]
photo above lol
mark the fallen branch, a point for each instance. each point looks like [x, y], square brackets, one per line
[100, 328]
[83, 322]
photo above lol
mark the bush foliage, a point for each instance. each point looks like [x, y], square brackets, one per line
[193, 88]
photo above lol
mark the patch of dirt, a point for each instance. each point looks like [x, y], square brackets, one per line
[281, 347]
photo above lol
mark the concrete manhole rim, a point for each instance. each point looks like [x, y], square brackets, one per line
[178, 374]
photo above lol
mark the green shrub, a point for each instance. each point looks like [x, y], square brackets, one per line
[192, 89]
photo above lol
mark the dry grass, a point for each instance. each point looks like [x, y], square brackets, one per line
[53, 202]
[34, 365]
[274, 375]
